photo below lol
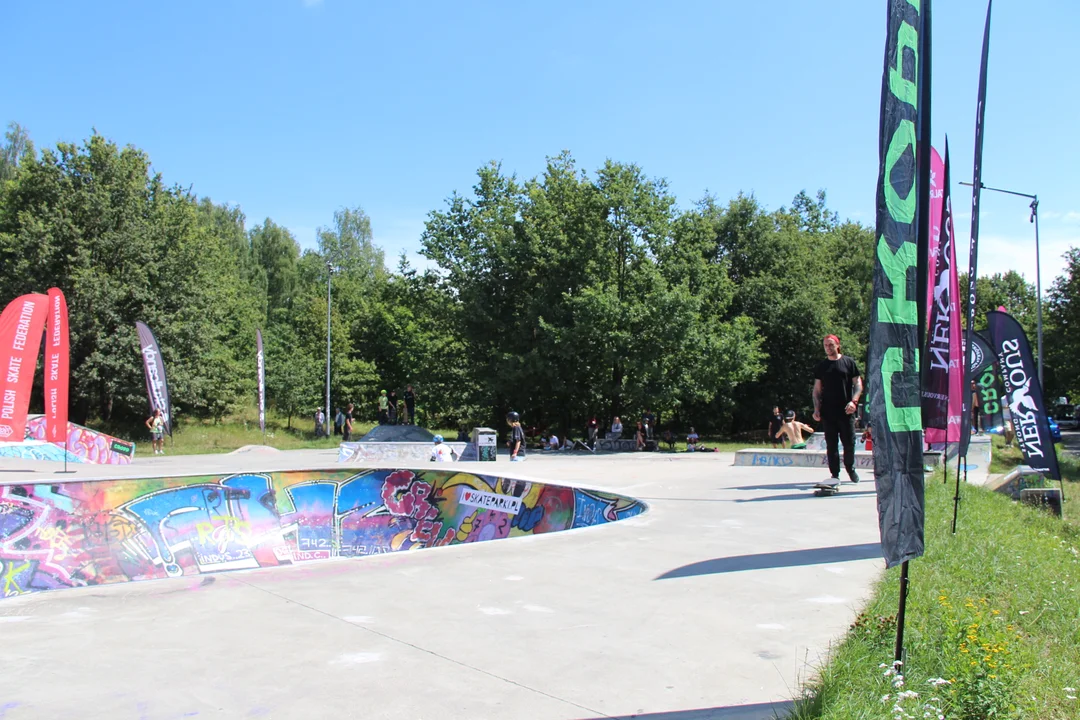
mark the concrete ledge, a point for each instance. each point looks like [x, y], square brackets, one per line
[1020, 478]
[394, 452]
[766, 457]
[1048, 499]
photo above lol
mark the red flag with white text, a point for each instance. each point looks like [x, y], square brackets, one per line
[21, 324]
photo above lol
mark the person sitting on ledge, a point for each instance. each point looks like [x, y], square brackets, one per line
[692, 440]
[616, 428]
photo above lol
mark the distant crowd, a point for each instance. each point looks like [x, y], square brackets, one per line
[390, 410]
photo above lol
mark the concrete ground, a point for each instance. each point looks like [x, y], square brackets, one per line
[715, 603]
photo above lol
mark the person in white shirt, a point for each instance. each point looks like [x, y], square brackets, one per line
[553, 442]
[442, 452]
[691, 440]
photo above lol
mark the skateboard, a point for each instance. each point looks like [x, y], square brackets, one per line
[825, 490]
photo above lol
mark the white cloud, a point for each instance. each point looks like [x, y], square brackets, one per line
[1002, 253]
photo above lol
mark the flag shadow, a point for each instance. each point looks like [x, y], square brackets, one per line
[757, 711]
[787, 558]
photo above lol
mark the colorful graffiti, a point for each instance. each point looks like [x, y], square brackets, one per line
[36, 450]
[91, 533]
[86, 444]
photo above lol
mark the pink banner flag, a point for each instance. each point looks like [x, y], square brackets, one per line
[945, 375]
[57, 364]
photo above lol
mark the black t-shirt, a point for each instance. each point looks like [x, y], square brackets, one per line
[774, 424]
[517, 434]
[837, 383]
[410, 399]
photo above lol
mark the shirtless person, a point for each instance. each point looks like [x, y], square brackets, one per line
[792, 429]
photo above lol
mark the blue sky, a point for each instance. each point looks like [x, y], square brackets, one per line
[292, 109]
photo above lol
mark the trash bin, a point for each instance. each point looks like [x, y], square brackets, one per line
[486, 442]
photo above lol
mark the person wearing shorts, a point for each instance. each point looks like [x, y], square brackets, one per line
[792, 431]
[156, 424]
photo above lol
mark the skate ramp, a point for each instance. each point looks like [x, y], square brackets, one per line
[404, 453]
[768, 457]
[62, 535]
[84, 444]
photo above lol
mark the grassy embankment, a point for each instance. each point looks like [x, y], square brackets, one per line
[194, 437]
[993, 617]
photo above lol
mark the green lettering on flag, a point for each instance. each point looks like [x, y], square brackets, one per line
[897, 309]
[899, 418]
[905, 90]
[901, 209]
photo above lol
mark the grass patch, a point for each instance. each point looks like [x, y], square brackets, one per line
[992, 626]
[195, 437]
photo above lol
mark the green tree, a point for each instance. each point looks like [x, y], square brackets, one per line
[17, 148]
[1062, 332]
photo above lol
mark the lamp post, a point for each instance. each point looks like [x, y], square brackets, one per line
[1038, 264]
[330, 269]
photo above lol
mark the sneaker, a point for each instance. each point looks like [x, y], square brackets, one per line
[516, 459]
[853, 476]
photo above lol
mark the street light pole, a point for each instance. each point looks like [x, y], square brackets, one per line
[329, 274]
[1038, 264]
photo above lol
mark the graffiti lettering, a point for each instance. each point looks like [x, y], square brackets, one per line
[115, 531]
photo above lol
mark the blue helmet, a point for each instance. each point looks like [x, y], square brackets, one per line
[438, 438]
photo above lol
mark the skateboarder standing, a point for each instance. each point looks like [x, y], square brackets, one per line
[837, 389]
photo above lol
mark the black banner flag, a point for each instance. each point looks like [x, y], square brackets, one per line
[157, 387]
[988, 385]
[895, 405]
[976, 191]
[1023, 393]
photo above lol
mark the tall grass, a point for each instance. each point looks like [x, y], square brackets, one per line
[992, 624]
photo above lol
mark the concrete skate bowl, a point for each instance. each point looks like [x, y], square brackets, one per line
[75, 534]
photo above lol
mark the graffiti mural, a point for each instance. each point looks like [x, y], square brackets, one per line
[90, 533]
[84, 444]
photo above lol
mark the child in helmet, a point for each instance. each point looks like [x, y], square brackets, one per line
[793, 430]
[441, 452]
[517, 437]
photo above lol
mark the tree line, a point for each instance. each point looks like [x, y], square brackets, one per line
[563, 296]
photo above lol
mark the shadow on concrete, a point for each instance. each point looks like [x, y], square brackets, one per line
[845, 491]
[777, 486]
[758, 711]
[787, 558]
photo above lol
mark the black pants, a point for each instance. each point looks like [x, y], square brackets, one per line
[976, 419]
[840, 428]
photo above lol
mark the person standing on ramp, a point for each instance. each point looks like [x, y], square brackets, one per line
[837, 388]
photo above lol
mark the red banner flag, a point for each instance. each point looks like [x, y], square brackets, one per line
[57, 367]
[20, 340]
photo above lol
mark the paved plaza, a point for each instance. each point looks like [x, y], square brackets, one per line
[715, 603]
